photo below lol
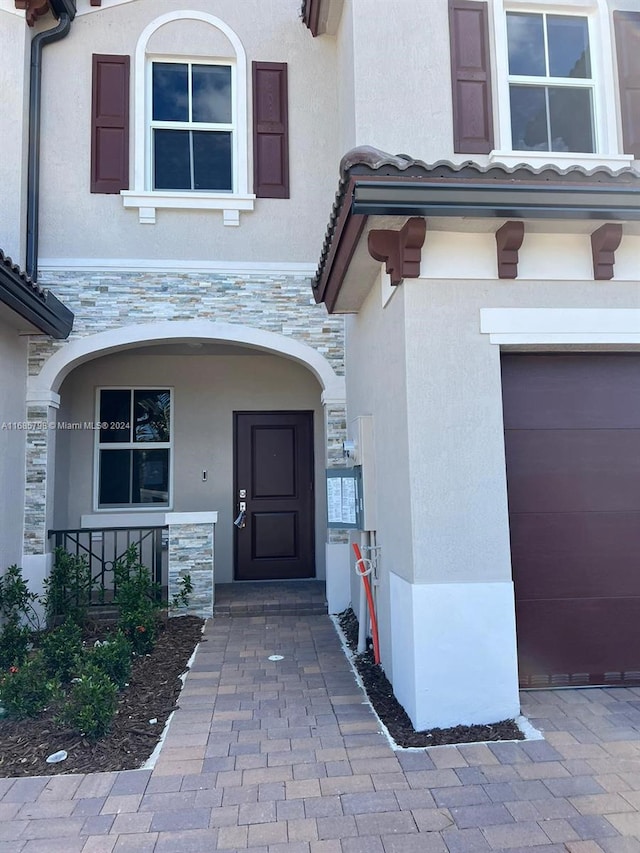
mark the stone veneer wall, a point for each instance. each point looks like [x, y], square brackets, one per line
[277, 303]
[191, 552]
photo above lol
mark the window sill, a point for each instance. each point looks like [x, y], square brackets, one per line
[147, 203]
[560, 159]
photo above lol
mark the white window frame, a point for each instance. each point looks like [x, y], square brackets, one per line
[132, 445]
[607, 134]
[147, 200]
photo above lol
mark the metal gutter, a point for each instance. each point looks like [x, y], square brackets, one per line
[525, 201]
[65, 10]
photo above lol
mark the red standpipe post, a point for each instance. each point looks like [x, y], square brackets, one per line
[360, 568]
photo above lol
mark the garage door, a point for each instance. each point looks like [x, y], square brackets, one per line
[572, 438]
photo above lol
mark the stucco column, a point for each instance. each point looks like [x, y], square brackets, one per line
[337, 542]
[191, 552]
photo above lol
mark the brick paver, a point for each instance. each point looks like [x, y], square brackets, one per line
[284, 757]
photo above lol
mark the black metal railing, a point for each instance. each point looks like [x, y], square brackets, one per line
[102, 548]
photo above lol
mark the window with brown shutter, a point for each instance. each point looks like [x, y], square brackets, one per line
[270, 130]
[627, 28]
[110, 124]
[471, 77]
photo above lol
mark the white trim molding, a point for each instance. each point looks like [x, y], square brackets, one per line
[269, 268]
[561, 325]
[191, 517]
[141, 196]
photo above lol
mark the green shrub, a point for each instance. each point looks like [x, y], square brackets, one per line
[16, 602]
[14, 644]
[25, 690]
[113, 657]
[91, 703]
[60, 649]
[68, 588]
[138, 600]
[182, 597]
[141, 629]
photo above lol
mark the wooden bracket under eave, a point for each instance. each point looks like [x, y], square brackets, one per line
[604, 242]
[399, 250]
[34, 9]
[96, 3]
[509, 238]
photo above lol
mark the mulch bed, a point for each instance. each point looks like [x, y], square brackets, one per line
[153, 688]
[393, 715]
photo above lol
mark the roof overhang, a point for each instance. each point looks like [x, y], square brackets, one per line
[379, 191]
[37, 306]
[35, 9]
[322, 16]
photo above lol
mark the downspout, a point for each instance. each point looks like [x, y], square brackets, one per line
[33, 158]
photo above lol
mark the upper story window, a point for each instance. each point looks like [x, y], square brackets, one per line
[192, 126]
[550, 82]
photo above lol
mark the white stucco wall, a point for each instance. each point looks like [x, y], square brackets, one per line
[376, 385]
[14, 85]
[73, 221]
[446, 607]
[13, 380]
[207, 390]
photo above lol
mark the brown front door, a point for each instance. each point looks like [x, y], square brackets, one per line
[572, 438]
[274, 469]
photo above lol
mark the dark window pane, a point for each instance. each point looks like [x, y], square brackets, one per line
[571, 120]
[170, 92]
[525, 35]
[115, 412]
[568, 40]
[211, 93]
[212, 160]
[152, 411]
[150, 476]
[171, 170]
[115, 478]
[529, 118]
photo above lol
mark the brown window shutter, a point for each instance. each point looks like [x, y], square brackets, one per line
[627, 28]
[270, 130]
[110, 124]
[470, 77]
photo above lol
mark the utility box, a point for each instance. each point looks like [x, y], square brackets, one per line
[361, 432]
[344, 498]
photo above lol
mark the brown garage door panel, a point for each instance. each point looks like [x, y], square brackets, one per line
[600, 391]
[593, 641]
[573, 470]
[571, 554]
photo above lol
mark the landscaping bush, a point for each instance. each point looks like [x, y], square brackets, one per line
[15, 640]
[60, 649]
[138, 600]
[68, 588]
[113, 657]
[91, 703]
[25, 690]
[17, 604]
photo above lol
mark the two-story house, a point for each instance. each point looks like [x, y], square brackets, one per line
[490, 276]
[477, 338]
[173, 162]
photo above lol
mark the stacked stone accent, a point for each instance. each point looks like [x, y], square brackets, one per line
[37, 450]
[277, 303]
[191, 552]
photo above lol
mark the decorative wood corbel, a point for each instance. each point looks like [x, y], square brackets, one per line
[96, 3]
[400, 250]
[604, 242]
[34, 8]
[509, 238]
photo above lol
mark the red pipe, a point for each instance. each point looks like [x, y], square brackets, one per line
[362, 571]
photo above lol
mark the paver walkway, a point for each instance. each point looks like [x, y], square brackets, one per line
[284, 757]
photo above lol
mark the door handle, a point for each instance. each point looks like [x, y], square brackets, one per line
[241, 520]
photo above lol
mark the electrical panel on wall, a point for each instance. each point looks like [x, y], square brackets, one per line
[361, 433]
